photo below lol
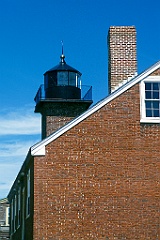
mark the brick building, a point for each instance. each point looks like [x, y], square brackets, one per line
[4, 219]
[97, 176]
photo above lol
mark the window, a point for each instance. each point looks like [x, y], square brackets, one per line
[19, 207]
[15, 211]
[28, 194]
[50, 80]
[150, 100]
[62, 78]
[12, 217]
[74, 79]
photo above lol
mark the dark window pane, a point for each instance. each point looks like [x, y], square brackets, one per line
[155, 95]
[46, 81]
[148, 86]
[72, 79]
[148, 113]
[63, 78]
[148, 95]
[156, 104]
[156, 113]
[148, 104]
[155, 86]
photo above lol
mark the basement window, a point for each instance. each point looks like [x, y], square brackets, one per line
[150, 100]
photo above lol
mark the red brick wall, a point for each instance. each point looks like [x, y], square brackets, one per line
[56, 114]
[100, 179]
[156, 73]
[53, 123]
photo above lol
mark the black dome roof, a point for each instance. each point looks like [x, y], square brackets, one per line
[62, 66]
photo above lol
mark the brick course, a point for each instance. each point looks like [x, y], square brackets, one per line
[100, 179]
[156, 73]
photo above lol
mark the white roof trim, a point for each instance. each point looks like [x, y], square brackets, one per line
[4, 200]
[39, 148]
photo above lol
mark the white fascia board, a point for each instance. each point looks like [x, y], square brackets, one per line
[4, 200]
[39, 148]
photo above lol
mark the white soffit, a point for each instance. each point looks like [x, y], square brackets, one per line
[39, 148]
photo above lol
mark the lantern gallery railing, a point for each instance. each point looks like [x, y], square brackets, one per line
[85, 93]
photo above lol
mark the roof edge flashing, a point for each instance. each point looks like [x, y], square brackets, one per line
[38, 150]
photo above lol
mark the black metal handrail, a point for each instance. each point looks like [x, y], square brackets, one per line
[86, 93]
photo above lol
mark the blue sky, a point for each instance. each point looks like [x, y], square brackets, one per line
[30, 44]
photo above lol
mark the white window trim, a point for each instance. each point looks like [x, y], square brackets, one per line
[145, 119]
[7, 215]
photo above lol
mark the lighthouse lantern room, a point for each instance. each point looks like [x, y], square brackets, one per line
[62, 97]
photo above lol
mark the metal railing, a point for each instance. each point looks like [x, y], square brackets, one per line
[86, 93]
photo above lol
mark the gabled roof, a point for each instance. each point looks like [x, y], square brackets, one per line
[39, 148]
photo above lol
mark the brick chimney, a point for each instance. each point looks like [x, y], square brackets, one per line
[122, 57]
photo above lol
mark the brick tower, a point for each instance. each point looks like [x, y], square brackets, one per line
[62, 97]
[122, 60]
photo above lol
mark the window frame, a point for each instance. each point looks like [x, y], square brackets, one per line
[144, 119]
[7, 216]
[12, 216]
[15, 211]
[19, 208]
[28, 194]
